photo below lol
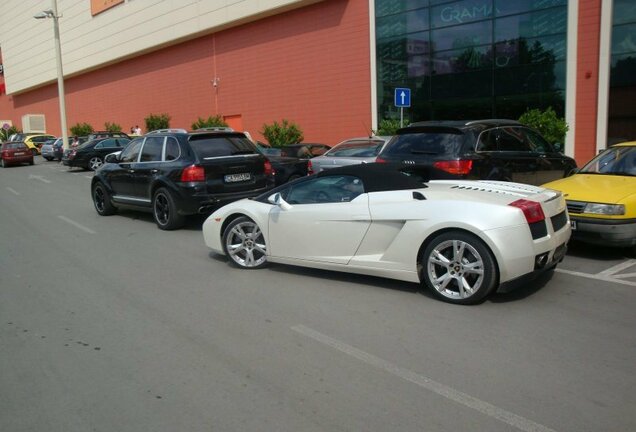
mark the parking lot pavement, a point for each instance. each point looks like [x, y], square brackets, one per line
[107, 323]
[601, 263]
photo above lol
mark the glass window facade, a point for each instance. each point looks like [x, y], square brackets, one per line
[471, 58]
[621, 124]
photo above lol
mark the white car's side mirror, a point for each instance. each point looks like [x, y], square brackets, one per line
[278, 200]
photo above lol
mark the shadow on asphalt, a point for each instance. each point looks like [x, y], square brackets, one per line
[515, 292]
[192, 223]
[601, 253]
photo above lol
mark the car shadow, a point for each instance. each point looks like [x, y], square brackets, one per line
[522, 289]
[192, 223]
[595, 252]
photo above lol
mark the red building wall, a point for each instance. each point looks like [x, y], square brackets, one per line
[588, 52]
[310, 66]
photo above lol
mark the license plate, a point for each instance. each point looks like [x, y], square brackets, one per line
[233, 178]
[573, 225]
[18, 154]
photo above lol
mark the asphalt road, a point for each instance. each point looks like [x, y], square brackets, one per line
[109, 324]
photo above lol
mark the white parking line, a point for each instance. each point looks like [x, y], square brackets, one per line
[607, 275]
[483, 407]
[77, 225]
[13, 191]
[88, 177]
[617, 268]
[37, 177]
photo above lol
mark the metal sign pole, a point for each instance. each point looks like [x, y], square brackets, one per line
[401, 117]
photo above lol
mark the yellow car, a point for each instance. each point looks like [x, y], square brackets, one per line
[601, 197]
[34, 142]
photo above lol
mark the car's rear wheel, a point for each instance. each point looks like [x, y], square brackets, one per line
[95, 162]
[164, 210]
[458, 268]
[244, 243]
[101, 200]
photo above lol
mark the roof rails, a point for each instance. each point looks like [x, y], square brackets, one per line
[171, 130]
[215, 129]
[492, 121]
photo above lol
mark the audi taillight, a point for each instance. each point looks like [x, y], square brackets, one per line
[193, 173]
[531, 210]
[457, 167]
[310, 168]
[268, 168]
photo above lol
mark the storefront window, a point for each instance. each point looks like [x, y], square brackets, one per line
[621, 124]
[471, 58]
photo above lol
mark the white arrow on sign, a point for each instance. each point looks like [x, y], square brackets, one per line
[403, 95]
[42, 179]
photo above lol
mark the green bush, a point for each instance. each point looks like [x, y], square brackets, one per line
[280, 135]
[81, 129]
[552, 127]
[209, 122]
[5, 134]
[112, 127]
[388, 127]
[157, 121]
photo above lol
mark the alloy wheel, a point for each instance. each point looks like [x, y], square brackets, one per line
[95, 162]
[162, 209]
[455, 269]
[99, 199]
[245, 244]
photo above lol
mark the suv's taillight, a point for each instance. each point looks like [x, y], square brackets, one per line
[458, 167]
[193, 173]
[268, 168]
[380, 160]
[310, 168]
[531, 210]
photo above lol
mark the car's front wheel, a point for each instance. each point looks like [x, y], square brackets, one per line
[101, 200]
[95, 162]
[164, 210]
[458, 268]
[244, 243]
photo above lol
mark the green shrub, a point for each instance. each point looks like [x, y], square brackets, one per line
[280, 135]
[112, 127]
[552, 127]
[5, 134]
[81, 129]
[388, 127]
[209, 122]
[157, 121]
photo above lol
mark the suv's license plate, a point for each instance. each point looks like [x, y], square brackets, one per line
[573, 225]
[231, 178]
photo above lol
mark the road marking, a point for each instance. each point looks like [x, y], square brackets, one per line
[88, 177]
[483, 407]
[617, 268]
[42, 179]
[13, 191]
[626, 275]
[77, 225]
[597, 277]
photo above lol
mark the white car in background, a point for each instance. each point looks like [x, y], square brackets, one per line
[350, 152]
[462, 239]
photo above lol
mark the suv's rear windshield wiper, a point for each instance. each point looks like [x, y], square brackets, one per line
[424, 152]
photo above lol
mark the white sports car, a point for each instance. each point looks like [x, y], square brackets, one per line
[462, 239]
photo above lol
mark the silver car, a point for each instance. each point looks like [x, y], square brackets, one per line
[350, 152]
[48, 148]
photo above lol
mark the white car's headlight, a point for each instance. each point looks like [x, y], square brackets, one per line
[605, 209]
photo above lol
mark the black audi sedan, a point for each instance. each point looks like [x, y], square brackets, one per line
[91, 154]
[174, 173]
[480, 149]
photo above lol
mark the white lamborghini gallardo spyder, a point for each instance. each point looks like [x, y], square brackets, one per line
[462, 239]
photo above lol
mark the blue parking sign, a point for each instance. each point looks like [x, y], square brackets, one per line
[402, 97]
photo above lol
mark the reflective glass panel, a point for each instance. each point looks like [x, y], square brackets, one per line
[463, 36]
[509, 7]
[548, 22]
[462, 12]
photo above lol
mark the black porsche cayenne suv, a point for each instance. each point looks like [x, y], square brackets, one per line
[481, 149]
[174, 173]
